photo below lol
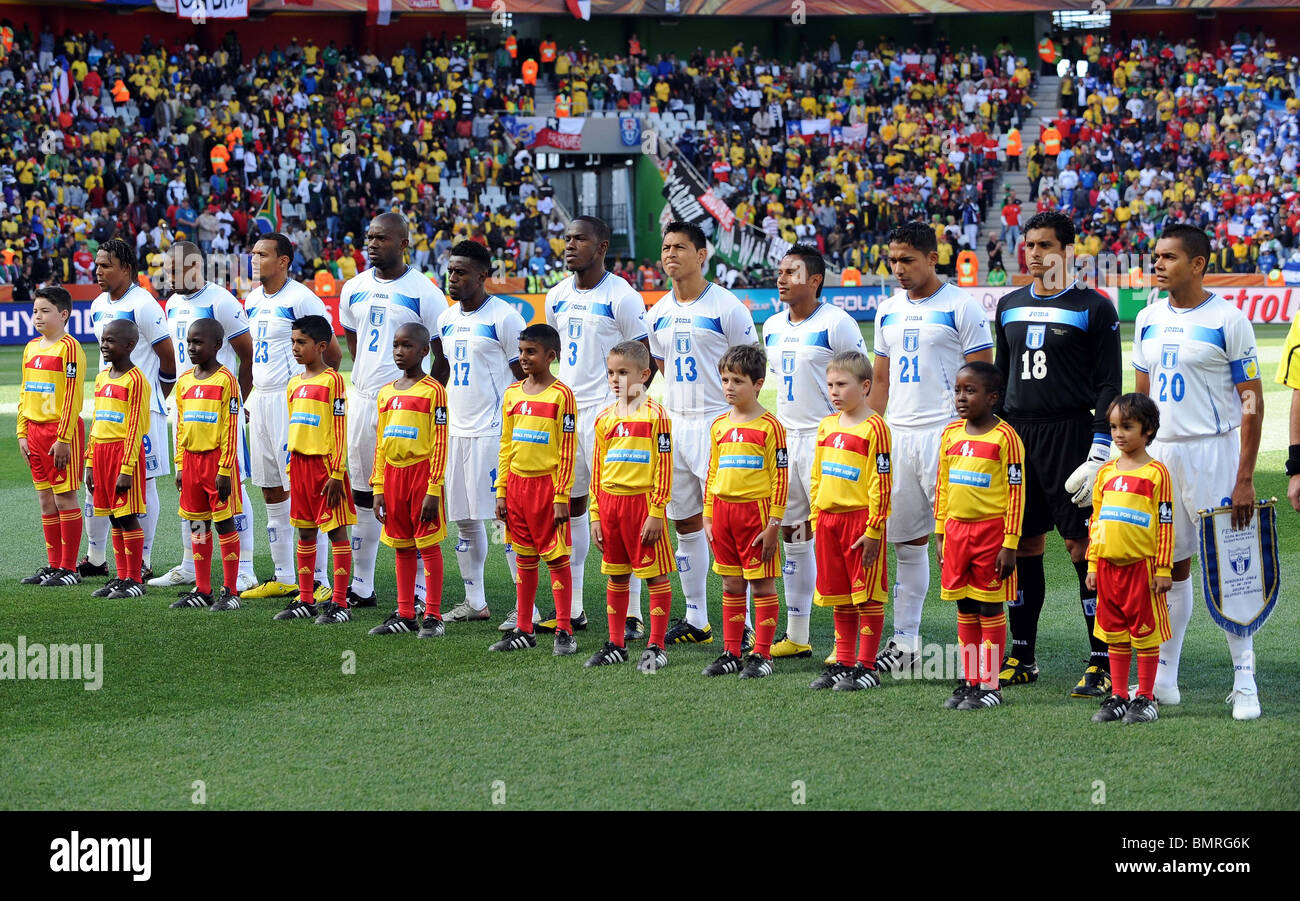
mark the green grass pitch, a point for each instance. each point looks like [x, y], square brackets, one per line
[264, 715]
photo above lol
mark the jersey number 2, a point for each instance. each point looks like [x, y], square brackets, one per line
[373, 346]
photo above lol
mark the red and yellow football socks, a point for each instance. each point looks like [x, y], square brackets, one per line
[846, 633]
[562, 591]
[229, 545]
[767, 609]
[661, 605]
[306, 570]
[993, 632]
[616, 594]
[525, 591]
[341, 552]
[733, 622]
[133, 552]
[1148, 663]
[53, 539]
[70, 532]
[871, 620]
[119, 552]
[1120, 657]
[968, 636]
[406, 582]
[432, 557]
[201, 543]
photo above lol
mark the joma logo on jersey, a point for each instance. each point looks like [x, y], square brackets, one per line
[575, 328]
[787, 362]
[665, 443]
[911, 339]
[1169, 356]
[1035, 336]
[682, 342]
[377, 316]
[462, 350]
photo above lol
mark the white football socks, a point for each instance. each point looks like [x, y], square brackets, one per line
[244, 525]
[149, 521]
[280, 538]
[365, 548]
[187, 549]
[323, 574]
[1243, 661]
[800, 577]
[471, 555]
[634, 598]
[693, 567]
[512, 563]
[911, 582]
[420, 586]
[1180, 614]
[580, 532]
[96, 535]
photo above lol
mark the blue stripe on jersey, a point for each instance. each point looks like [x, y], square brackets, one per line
[938, 317]
[109, 416]
[1125, 514]
[199, 313]
[530, 436]
[602, 309]
[627, 456]
[1245, 370]
[39, 387]
[663, 322]
[840, 471]
[967, 477]
[405, 300]
[250, 312]
[447, 330]
[113, 314]
[740, 461]
[358, 297]
[818, 339]
[1208, 335]
[200, 416]
[401, 431]
[1147, 332]
[286, 313]
[486, 331]
[770, 339]
[1076, 318]
[561, 306]
[305, 419]
[711, 323]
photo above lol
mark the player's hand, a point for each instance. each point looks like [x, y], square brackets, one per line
[334, 492]
[62, 454]
[561, 512]
[1091, 581]
[770, 538]
[708, 530]
[938, 550]
[22, 446]
[1079, 484]
[597, 537]
[178, 480]
[870, 550]
[1006, 563]
[652, 529]
[429, 508]
[1293, 492]
[90, 479]
[124, 483]
[1243, 504]
[380, 513]
[1163, 584]
[501, 509]
[223, 488]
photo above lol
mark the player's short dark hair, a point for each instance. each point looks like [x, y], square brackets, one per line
[417, 330]
[989, 374]
[1140, 409]
[744, 359]
[130, 331]
[853, 363]
[1057, 221]
[473, 250]
[283, 246]
[634, 352]
[542, 334]
[122, 251]
[211, 328]
[317, 328]
[690, 230]
[1193, 239]
[813, 262]
[60, 297]
[916, 234]
[599, 227]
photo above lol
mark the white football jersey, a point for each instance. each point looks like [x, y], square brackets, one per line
[691, 338]
[374, 308]
[1195, 359]
[927, 341]
[590, 323]
[209, 302]
[480, 347]
[139, 306]
[270, 319]
[797, 354]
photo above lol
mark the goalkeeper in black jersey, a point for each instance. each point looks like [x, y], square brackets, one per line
[1058, 346]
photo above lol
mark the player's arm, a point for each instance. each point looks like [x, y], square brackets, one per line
[597, 465]
[339, 428]
[566, 426]
[878, 398]
[1094, 522]
[74, 366]
[815, 477]
[1002, 360]
[137, 408]
[351, 338]
[653, 369]
[242, 345]
[166, 352]
[879, 496]
[738, 326]
[377, 468]
[778, 460]
[229, 425]
[711, 476]
[1107, 366]
[440, 368]
[503, 455]
[1251, 393]
[941, 487]
[1013, 458]
[973, 328]
[1164, 527]
[661, 483]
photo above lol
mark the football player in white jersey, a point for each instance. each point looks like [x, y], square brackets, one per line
[1195, 355]
[480, 334]
[593, 310]
[691, 327]
[800, 341]
[923, 335]
[372, 306]
[124, 298]
[190, 296]
[271, 308]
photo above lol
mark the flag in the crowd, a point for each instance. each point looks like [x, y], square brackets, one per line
[379, 12]
[268, 215]
[581, 9]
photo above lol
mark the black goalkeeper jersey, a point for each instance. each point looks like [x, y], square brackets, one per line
[1060, 354]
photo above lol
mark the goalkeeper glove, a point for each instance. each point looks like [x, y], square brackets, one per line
[1079, 484]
